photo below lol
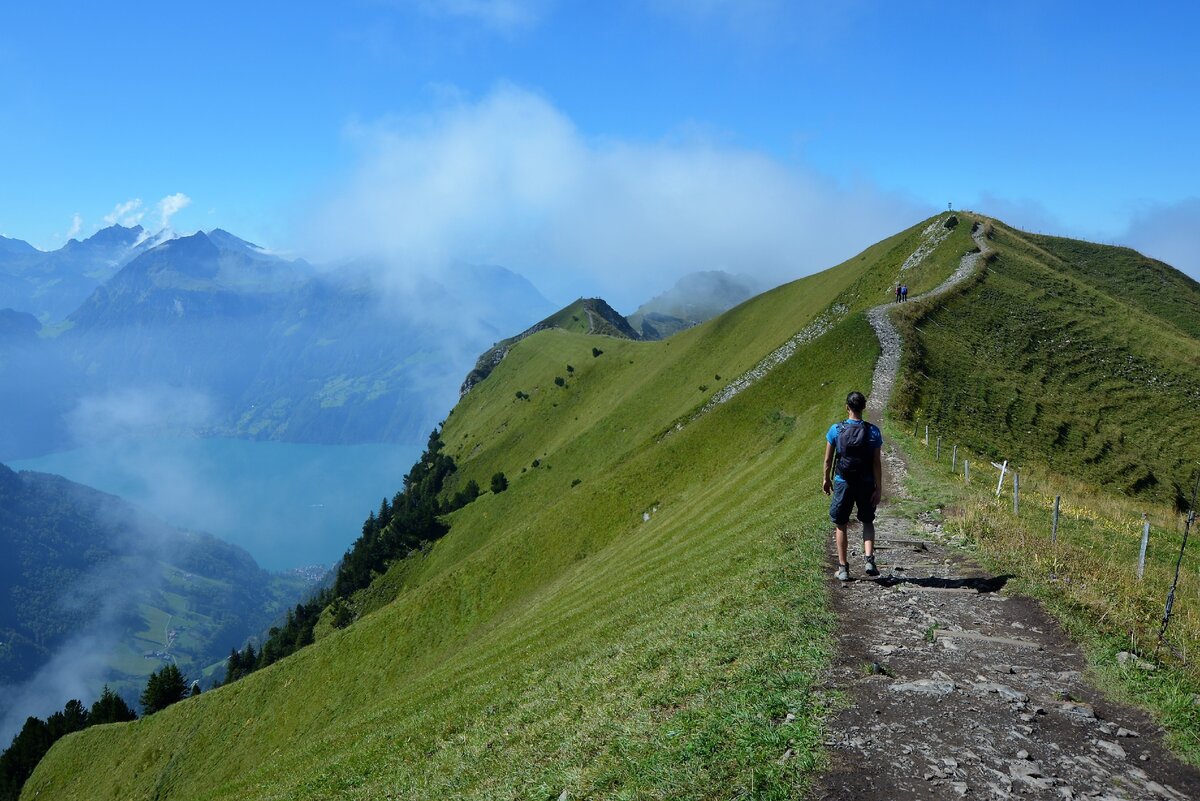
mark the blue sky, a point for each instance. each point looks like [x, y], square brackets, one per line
[314, 127]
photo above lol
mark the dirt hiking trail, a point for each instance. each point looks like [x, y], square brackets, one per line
[957, 689]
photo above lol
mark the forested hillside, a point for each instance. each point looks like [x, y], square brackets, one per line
[97, 592]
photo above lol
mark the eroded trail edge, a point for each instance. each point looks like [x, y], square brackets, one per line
[956, 688]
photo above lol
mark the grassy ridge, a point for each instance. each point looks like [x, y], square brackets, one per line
[556, 638]
[1070, 359]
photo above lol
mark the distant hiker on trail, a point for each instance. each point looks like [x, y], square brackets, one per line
[897, 293]
[857, 479]
[903, 293]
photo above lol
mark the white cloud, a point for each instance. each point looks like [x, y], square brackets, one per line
[138, 411]
[76, 226]
[510, 180]
[1168, 232]
[129, 213]
[170, 206]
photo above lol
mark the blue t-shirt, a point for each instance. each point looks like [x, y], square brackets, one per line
[874, 438]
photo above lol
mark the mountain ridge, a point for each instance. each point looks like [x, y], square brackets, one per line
[628, 611]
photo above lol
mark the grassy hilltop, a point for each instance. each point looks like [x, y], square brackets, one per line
[1077, 355]
[555, 638]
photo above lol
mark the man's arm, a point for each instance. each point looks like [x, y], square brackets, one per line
[877, 468]
[826, 484]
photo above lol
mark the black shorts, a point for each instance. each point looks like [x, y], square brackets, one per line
[848, 494]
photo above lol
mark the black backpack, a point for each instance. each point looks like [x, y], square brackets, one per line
[854, 457]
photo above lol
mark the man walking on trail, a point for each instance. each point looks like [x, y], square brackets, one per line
[903, 293]
[852, 453]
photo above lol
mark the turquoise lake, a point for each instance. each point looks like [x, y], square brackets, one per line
[289, 505]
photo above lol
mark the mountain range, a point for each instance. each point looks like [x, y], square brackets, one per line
[256, 345]
[127, 334]
[52, 284]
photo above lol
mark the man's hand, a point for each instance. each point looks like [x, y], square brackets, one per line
[875, 495]
[827, 487]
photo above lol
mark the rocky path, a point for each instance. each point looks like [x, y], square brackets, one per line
[955, 688]
[888, 365]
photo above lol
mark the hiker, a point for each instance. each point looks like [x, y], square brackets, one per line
[897, 293]
[903, 293]
[857, 480]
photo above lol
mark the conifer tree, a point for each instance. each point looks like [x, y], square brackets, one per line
[163, 688]
[233, 666]
[110, 708]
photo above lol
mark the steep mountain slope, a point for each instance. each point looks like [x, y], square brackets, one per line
[586, 316]
[92, 585]
[51, 284]
[694, 298]
[1079, 356]
[634, 616]
[10, 248]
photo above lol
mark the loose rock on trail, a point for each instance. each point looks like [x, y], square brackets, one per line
[955, 688]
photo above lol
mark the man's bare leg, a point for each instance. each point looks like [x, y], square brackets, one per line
[868, 539]
[839, 537]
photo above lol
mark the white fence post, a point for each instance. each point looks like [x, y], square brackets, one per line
[1003, 470]
[967, 471]
[953, 459]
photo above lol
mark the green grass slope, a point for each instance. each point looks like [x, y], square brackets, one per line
[1079, 356]
[636, 616]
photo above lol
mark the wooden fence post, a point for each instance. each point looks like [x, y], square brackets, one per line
[1054, 525]
[927, 435]
[967, 471]
[937, 454]
[1145, 542]
[954, 459]
[1016, 492]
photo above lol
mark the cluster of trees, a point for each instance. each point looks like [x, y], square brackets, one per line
[410, 520]
[165, 687]
[37, 735]
[295, 633]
